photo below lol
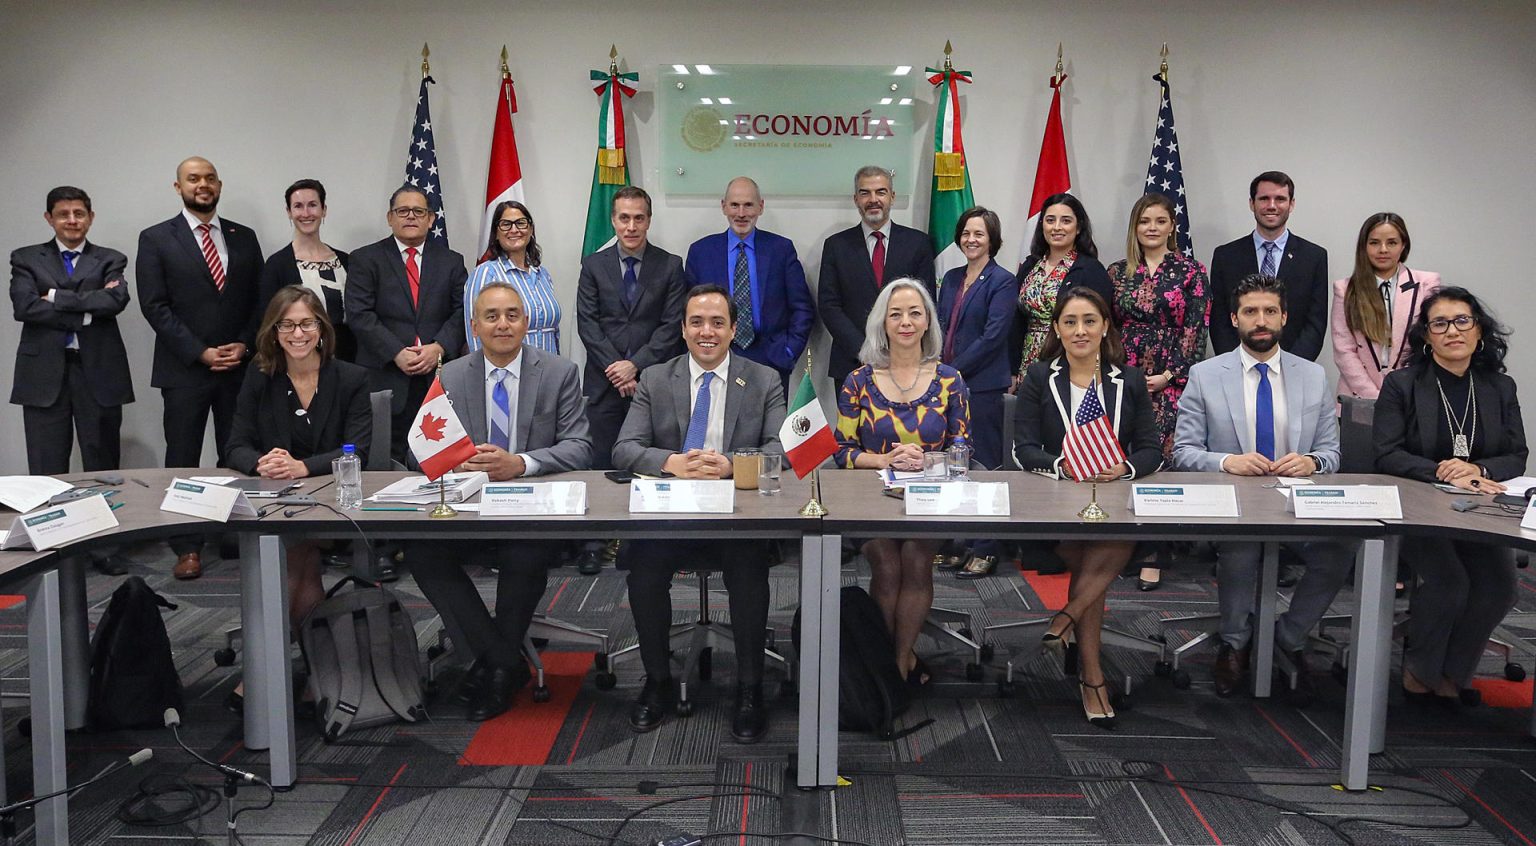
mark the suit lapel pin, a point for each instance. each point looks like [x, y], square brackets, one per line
[740, 381]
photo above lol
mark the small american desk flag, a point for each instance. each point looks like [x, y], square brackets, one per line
[1091, 446]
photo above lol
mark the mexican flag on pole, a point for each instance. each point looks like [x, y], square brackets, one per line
[504, 177]
[611, 171]
[1051, 174]
[806, 437]
[951, 177]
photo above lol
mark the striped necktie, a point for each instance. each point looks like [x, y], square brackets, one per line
[211, 255]
[698, 424]
[501, 411]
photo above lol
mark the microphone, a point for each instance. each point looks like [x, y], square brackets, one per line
[173, 722]
[172, 719]
[140, 757]
[7, 813]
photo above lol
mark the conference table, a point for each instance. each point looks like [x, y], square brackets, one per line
[1040, 508]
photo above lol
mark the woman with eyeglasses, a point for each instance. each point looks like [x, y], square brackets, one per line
[309, 261]
[513, 256]
[1451, 417]
[298, 406]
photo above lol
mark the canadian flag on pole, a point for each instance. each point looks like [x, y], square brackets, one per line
[504, 178]
[437, 439]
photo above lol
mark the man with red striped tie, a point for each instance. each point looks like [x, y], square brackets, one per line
[197, 276]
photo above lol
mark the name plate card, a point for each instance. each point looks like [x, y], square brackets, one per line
[1529, 520]
[682, 496]
[529, 499]
[971, 499]
[1348, 502]
[1184, 501]
[54, 527]
[208, 501]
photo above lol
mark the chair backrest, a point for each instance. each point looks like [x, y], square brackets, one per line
[1357, 447]
[1010, 409]
[383, 430]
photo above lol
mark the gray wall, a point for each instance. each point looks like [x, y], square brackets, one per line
[1424, 109]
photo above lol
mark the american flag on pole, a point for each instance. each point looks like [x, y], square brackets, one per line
[1090, 446]
[1165, 174]
[421, 164]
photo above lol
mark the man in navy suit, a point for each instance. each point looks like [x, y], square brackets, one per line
[857, 262]
[1273, 250]
[197, 276]
[405, 304]
[765, 279]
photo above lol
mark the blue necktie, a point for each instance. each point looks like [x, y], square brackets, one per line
[1264, 415]
[1268, 268]
[631, 282]
[69, 257]
[501, 411]
[741, 293]
[698, 424]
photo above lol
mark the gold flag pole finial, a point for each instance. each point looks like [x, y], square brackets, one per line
[1061, 70]
[426, 67]
[442, 509]
[613, 58]
[949, 64]
[506, 73]
[1162, 71]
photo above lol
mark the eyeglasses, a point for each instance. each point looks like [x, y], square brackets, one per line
[410, 213]
[288, 327]
[521, 224]
[1440, 325]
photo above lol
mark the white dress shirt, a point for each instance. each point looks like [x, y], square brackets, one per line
[215, 231]
[869, 238]
[714, 432]
[401, 247]
[514, 379]
[1251, 398]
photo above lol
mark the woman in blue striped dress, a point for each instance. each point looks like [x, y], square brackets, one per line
[512, 256]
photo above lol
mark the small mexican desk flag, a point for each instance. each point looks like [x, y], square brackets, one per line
[806, 437]
[437, 439]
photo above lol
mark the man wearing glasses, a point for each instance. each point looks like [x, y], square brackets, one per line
[405, 304]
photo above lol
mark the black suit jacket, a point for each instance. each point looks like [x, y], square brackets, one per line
[845, 290]
[1407, 421]
[339, 412]
[1303, 269]
[187, 311]
[1045, 408]
[282, 270]
[649, 333]
[383, 319]
[1085, 272]
[45, 325]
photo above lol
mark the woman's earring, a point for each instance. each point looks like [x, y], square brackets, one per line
[1480, 343]
[1426, 349]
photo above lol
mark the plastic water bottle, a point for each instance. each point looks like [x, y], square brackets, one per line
[348, 470]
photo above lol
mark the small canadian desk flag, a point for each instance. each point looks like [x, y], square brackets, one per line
[437, 439]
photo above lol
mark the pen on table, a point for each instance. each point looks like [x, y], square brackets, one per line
[140, 482]
[392, 508]
[117, 505]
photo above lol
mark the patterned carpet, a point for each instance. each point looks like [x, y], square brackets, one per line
[1184, 767]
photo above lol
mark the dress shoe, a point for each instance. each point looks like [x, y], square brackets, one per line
[495, 697]
[1305, 692]
[611, 551]
[751, 718]
[979, 567]
[1231, 670]
[110, 565]
[1143, 583]
[384, 569]
[1290, 574]
[952, 561]
[1100, 714]
[657, 698]
[471, 683]
[189, 565]
[589, 562]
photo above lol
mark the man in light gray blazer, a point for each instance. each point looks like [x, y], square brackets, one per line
[522, 407]
[1260, 411]
[689, 414]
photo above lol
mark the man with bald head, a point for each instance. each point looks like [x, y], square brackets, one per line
[197, 277]
[765, 279]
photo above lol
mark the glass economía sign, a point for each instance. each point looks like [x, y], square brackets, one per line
[796, 129]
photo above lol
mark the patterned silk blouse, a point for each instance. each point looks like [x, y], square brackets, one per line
[1163, 319]
[1037, 300]
[869, 422]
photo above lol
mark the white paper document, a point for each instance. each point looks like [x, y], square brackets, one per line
[1347, 502]
[521, 499]
[682, 496]
[49, 528]
[416, 490]
[24, 493]
[208, 501]
[1529, 520]
[1184, 500]
[977, 499]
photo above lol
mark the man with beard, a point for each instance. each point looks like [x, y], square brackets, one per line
[1284, 425]
[197, 277]
[857, 262]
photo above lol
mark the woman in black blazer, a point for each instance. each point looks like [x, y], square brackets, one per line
[1083, 354]
[310, 262]
[298, 406]
[1452, 417]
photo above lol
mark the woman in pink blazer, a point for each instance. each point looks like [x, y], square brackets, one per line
[1368, 335]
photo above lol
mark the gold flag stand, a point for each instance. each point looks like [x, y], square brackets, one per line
[1091, 512]
[813, 508]
[442, 510]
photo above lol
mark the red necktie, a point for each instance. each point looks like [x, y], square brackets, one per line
[413, 274]
[211, 255]
[877, 260]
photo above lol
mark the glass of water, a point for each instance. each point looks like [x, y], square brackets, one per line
[935, 466]
[768, 474]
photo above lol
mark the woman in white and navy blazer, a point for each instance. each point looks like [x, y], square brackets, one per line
[1368, 337]
[1084, 354]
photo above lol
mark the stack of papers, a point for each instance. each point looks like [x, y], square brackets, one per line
[899, 478]
[416, 490]
[24, 493]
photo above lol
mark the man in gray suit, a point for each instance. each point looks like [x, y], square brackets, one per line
[522, 408]
[1260, 411]
[688, 415]
[629, 303]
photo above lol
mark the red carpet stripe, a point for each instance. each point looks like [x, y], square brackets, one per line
[525, 735]
[1052, 590]
[745, 798]
[373, 809]
[1489, 808]
[1294, 745]
[1191, 803]
[1504, 694]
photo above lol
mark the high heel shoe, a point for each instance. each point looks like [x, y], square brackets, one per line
[1145, 584]
[1105, 719]
[1056, 643]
